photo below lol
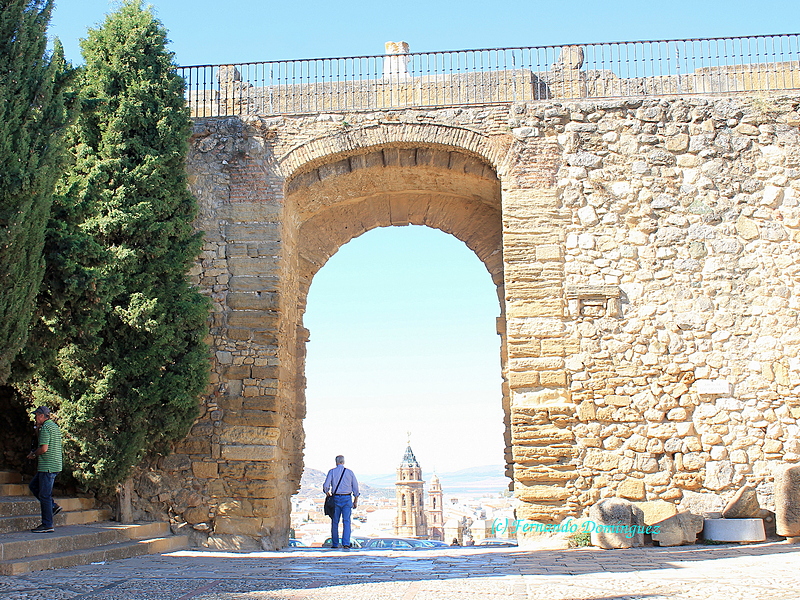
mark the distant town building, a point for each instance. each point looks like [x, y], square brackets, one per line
[435, 511]
[410, 521]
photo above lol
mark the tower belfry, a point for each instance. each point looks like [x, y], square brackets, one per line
[410, 520]
[435, 510]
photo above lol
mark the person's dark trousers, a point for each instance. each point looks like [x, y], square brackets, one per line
[41, 487]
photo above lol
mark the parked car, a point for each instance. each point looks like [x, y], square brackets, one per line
[438, 543]
[497, 542]
[355, 542]
[397, 544]
[296, 544]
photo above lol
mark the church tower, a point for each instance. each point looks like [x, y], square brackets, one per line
[410, 521]
[435, 511]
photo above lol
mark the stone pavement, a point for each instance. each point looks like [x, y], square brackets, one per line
[726, 572]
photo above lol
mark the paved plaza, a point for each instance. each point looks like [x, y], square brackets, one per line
[727, 572]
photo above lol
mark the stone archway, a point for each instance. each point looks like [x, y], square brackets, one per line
[434, 186]
[276, 203]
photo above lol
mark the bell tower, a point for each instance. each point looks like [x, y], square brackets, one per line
[435, 511]
[410, 521]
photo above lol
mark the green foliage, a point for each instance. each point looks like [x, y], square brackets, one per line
[123, 326]
[581, 539]
[33, 116]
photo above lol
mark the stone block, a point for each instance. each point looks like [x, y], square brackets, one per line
[747, 228]
[523, 379]
[632, 489]
[679, 529]
[237, 372]
[601, 460]
[616, 523]
[235, 508]
[701, 502]
[176, 462]
[253, 319]
[254, 284]
[253, 418]
[205, 470]
[677, 143]
[253, 267]
[541, 493]
[535, 327]
[719, 474]
[258, 453]
[261, 403]
[657, 510]
[240, 434]
[549, 252]
[197, 514]
[553, 378]
[543, 307]
[743, 505]
[252, 300]
[787, 502]
[615, 400]
[264, 372]
[228, 525]
[587, 410]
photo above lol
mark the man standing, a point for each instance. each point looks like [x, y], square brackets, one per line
[341, 483]
[49, 465]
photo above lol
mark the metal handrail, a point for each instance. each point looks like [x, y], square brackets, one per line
[496, 75]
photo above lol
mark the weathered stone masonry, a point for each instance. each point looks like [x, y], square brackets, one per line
[646, 256]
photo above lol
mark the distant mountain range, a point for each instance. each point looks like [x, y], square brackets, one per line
[312, 480]
[473, 481]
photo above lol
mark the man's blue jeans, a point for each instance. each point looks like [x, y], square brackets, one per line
[41, 486]
[342, 508]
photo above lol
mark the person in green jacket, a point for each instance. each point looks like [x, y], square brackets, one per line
[49, 465]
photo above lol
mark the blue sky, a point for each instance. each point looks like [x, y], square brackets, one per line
[212, 32]
[402, 320]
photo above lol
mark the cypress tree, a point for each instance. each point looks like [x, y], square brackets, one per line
[33, 117]
[131, 366]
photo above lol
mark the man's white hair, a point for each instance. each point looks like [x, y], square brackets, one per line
[340, 460]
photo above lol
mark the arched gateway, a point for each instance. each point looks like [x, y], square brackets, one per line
[275, 207]
[646, 253]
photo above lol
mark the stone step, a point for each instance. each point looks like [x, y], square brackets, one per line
[10, 477]
[14, 506]
[100, 553]
[29, 521]
[23, 552]
[14, 489]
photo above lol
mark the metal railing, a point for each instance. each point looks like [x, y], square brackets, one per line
[495, 76]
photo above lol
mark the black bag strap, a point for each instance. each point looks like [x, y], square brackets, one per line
[340, 481]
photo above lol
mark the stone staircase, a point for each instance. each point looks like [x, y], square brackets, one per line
[83, 533]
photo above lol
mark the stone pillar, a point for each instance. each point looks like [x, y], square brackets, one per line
[395, 63]
[787, 502]
[541, 410]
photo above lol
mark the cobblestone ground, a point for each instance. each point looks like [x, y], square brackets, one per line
[729, 572]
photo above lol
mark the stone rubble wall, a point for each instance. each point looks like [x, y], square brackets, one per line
[649, 286]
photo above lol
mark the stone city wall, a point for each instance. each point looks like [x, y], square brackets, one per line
[648, 292]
